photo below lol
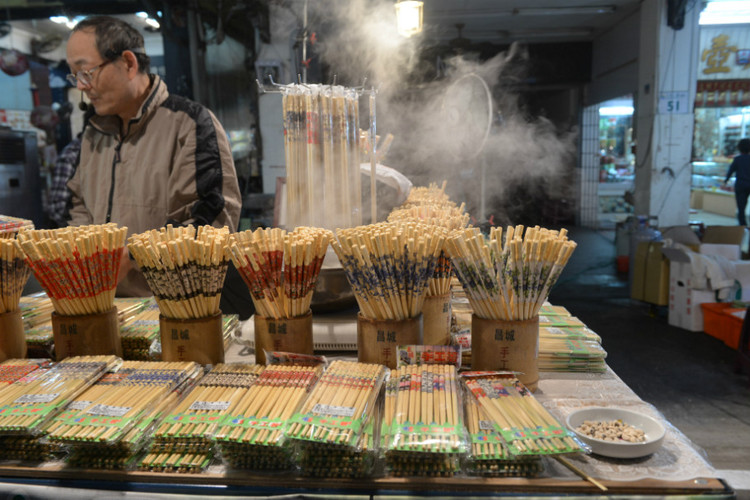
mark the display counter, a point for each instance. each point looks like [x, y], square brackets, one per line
[676, 469]
[718, 201]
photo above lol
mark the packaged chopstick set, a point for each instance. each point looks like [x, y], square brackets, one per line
[185, 268]
[78, 267]
[14, 369]
[35, 310]
[140, 334]
[337, 408]
[424, 420]
[330, 460]
[280, 268]
[569, 333]
[252, 436]
[389, 266]
[190, 427]
[560, 321]
[525, 425]
[10, 226]
[29, 403]
[106, 411]
[107, 425]
[322, 152]
[490, 455]
[571, 355]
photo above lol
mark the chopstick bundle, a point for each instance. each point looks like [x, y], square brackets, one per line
[430, 195]
[191, 426]
[321, 149]
[511, 279]
[186, 463]
[490, 455]
[184, 268]
[339, 404]
[389, 266]
[14, 273]
[10, 226]
[251, 436]
[77, 266]
[280, 268]
[451, 218]
[27, 404]
[441, 214]
[527, 427]
[29, 449]
[107, 410]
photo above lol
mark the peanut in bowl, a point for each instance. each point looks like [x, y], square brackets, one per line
[626, 433]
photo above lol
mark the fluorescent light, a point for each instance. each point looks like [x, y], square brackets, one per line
[153, 23]
[616, 110]
[70, 23]
[148, 20]
[409, 17]
[726, 12]
[550, 33]
[559, 11]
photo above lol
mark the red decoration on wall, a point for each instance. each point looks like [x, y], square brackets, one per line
[722, 93]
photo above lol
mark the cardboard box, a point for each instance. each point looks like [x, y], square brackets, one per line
[650, 274]
[723, 240]
[742, 275]
[728, 251]
[728, 235]
[684, 301]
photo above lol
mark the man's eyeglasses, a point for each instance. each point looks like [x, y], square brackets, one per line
[85, 75]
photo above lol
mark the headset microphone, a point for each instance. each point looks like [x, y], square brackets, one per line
[82, 105]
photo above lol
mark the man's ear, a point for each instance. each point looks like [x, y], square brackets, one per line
[131, 61]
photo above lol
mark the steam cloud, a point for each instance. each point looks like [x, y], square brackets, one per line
[439, 125]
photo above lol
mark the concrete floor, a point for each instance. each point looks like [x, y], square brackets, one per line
[688, 376]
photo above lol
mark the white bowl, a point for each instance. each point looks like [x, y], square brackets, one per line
[653, 429]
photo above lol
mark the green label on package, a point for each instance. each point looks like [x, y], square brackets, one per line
[194, 418]
[253, 422]
[40, 410]
[327, 421]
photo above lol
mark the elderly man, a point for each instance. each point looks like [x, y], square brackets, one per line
[147, 158]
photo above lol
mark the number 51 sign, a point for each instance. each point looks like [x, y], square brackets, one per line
[673, 103]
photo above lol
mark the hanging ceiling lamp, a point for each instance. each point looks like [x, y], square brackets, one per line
[409, 17]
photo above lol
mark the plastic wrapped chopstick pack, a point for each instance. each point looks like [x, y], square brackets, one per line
[339, 405]
[527, 427]
[424, 422]
[29, 403]
[251, 436]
